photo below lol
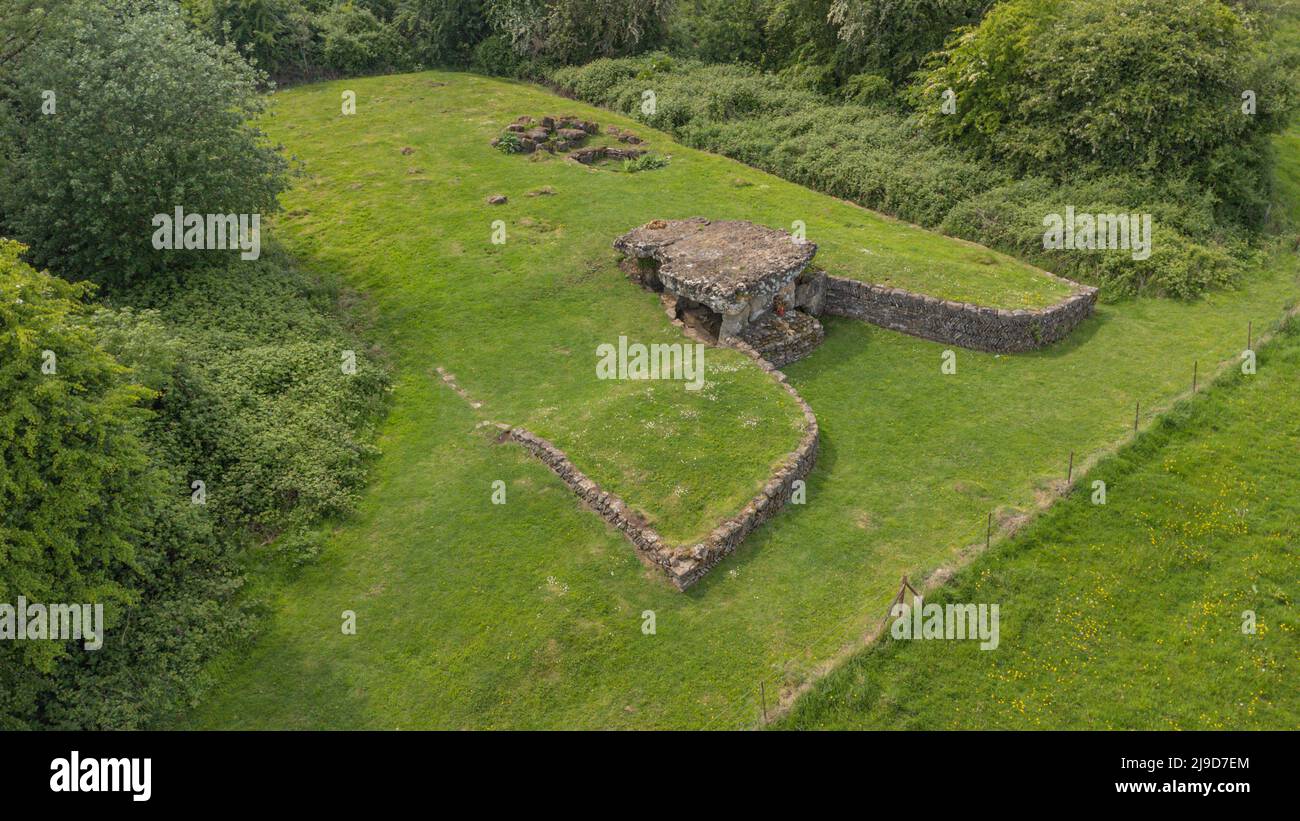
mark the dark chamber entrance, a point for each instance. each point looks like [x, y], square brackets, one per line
[699, 317]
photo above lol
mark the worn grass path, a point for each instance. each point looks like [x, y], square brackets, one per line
[529, 614]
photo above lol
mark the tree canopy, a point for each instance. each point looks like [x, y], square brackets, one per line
[121, 113]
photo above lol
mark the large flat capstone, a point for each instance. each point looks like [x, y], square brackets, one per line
[728, 265]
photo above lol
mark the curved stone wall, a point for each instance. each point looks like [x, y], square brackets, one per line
[685, 564]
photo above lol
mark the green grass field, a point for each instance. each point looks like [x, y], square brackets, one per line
[528, 614]
[1127, 615]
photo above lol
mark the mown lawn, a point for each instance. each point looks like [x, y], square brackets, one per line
[1127, 615]
[529, 614]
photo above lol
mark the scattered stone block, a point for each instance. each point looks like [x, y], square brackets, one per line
[587, 156]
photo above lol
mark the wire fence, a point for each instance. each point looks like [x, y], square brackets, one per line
[758, 711]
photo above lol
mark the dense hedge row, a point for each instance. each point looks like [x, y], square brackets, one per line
[882, 159]
[299, 40]
[180, 368]
[232, 378]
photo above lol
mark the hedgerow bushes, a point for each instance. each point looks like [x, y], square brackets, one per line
[69, 420]
[1009, 217]
[885, 160]
[297, 40]
[234, 381]
[93, 510]
[1176, 89]
[260, 402]
[183, 368]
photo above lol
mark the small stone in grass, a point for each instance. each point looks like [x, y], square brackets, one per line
[408, 150]
[497, 199]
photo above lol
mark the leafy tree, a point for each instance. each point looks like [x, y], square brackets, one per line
[576, 31]
[258, 28]
[441, 32]
[150, 115]
[893, 37]
[22, 24]
[722, 31]
[355, 41]
[1147, 86]
[76, 480]
[802, 44]
[280, 36]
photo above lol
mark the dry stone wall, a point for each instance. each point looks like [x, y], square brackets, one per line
[685, 564]
[959, 323]
[777, 340]
[784, 339]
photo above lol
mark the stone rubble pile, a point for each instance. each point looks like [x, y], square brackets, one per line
[568, 135]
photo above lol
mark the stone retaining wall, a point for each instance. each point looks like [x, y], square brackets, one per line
[784, 339]
[960, 323]
[685, 564]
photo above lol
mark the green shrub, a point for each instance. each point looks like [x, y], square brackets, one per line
[882, 160]
[495, 56]
[76, 483]
[94, 509]
[264, 407]
[1010, 217]
[354, 41]
[232, 380]
[866, 89]
[598, 80]
[509, 143]
[1055, 87]
[645, 162]
[440, 32]
[84, 184]
[576, 31]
